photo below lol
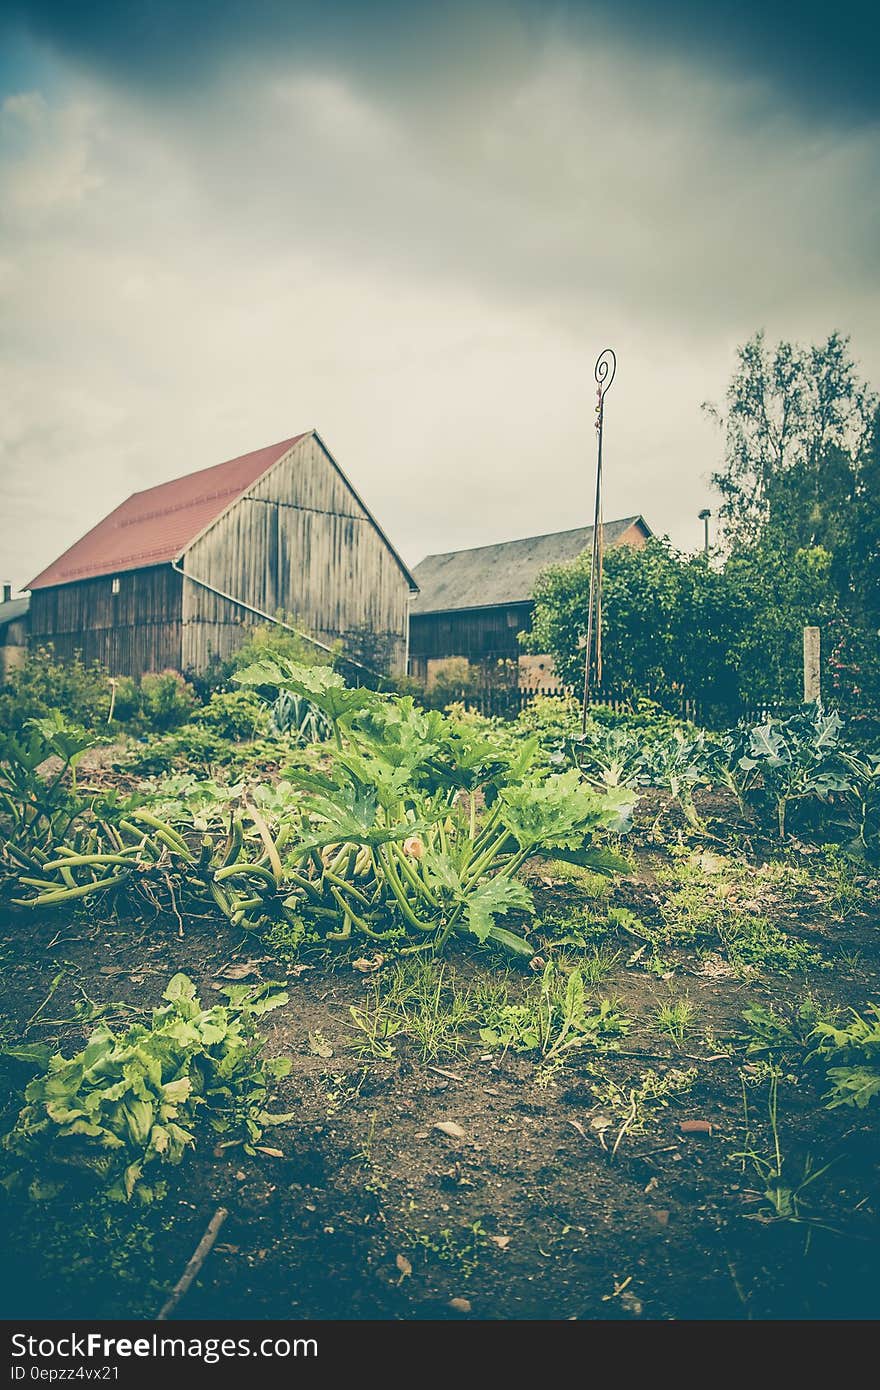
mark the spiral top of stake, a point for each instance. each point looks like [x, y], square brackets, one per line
[606, 366]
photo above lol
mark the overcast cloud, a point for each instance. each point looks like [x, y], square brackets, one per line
[415, 237]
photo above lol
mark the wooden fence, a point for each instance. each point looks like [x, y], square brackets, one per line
[508, 702]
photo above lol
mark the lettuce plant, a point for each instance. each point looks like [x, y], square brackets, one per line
[132, 1103]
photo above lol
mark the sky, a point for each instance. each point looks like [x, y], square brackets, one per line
[414, 228]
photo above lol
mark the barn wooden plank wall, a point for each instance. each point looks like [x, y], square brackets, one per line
[132, 632]
[298, 543]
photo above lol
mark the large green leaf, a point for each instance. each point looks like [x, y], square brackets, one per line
[560, 811]
[322, 686]
[68, 741]
[492, 899]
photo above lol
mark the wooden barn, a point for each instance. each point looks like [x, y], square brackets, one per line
[473, 603]
[173, 577]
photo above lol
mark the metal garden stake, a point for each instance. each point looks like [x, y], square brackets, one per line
[606, 366]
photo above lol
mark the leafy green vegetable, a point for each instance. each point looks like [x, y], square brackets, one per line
[854, 1051]
[790, 760]
[130, 1103]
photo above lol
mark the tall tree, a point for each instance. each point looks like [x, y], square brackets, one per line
[798, 424]
[866, 544]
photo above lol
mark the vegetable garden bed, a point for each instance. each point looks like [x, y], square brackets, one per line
[651, 1093]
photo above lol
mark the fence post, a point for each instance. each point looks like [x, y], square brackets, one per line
[812, 678]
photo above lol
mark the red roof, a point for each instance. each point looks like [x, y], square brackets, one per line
[153, 527]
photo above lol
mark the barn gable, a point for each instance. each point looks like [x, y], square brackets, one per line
[301, 542]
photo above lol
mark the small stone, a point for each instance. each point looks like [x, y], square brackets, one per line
[450, 1129]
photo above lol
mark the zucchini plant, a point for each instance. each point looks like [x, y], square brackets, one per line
[410, 828]
[419, 824]
[37, 808]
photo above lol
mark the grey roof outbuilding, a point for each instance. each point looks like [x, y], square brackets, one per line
[12, 610]
[506, 573]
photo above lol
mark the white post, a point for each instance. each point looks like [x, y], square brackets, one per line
[812, 680]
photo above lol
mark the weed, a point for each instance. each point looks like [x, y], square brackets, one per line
[490, 993]
[714, 899]
[636, 1103]
[461, 1249]
[375, 1027]
[421, 1002]
[660, 966]
[756, 942]
[555, 1018]
[854, 1051]
[597, 964]
[784, 1031]
[843, 880]
[676, 1018]
[366, 1153]
[578, 930]
[340, 1092]
[432, 1011]
[851, 961]
[286, 939]
[592, 886]
[782, 1197]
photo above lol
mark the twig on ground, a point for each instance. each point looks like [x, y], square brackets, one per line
[174, 905]
[196, 1260]
[52, 988]
[650, 1152]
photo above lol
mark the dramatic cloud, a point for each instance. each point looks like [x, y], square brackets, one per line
[415, 237]
[822, 58]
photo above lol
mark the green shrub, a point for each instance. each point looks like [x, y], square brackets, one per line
[451, 679]
[640, 715]
[44, 684]
[234, 714]
[194, 746]
[126, 700]
[553, 718]
[268, 641]
[167, 700]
